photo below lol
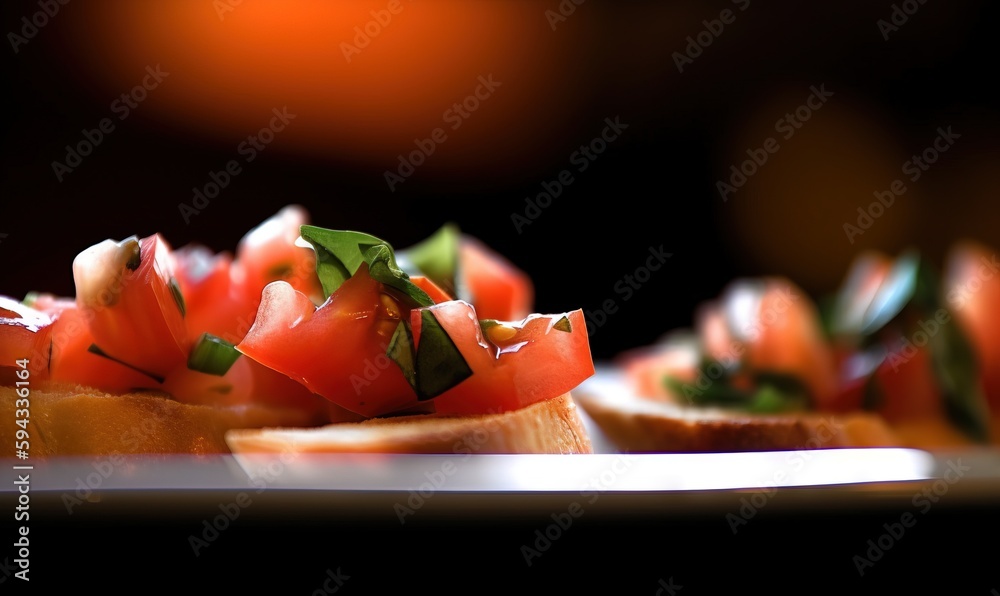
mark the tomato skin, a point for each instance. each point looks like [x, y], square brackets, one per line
[791, 340]
[908, 387]
[336, 350]
[72, 362]
[215, 303]
[433, 290]
[498, 289]
[136, 317]
[770, 325]
[224, 292]
[646, 368]
[972, 291]
[537, 363]
[25, 333]
[269, 253]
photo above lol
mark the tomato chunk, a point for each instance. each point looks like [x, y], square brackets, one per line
[339, 350]
[498, 289]
[137, 305]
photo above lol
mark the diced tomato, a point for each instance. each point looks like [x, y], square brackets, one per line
[73, 362]
[137, 305]
[646, 368]
[276, 389]
[194, 387]
[336, 350]
[433, 290]
[215, 304]
[24, 334]
[529, 361]
[907, 386]
[339, 351]
[786, 336]
[269, 253]
[770, 325]
[972, 290]
[223, 293]
[497, 288]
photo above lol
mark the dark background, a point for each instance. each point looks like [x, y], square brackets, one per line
[656, 185]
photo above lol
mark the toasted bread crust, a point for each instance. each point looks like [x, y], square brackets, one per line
[551, 426]
[73, 420]
[644, 426]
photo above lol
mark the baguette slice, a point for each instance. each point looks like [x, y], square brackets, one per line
[75, 420]
[638, 425]
[551, 426]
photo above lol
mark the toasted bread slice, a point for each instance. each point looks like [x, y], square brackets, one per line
[640, 425]
[551, 426]
[73, 420]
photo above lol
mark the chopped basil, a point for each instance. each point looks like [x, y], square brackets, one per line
[93, 349]
[907, 313]
[175, 291]
[402, 352]
[382, 267]
[212, 355]
[769, 392]
[339, 254]
[436, 257]
[433, 367]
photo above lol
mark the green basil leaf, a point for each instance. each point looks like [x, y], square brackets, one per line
[956, 369]
[436, 257]
[402, 351]
[212, 355]
[339, 253]
[94, 349]
[436, 365]
[772, 393]
[382, 267]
